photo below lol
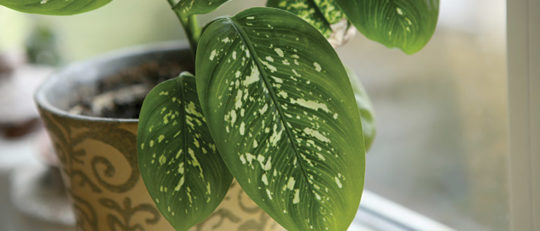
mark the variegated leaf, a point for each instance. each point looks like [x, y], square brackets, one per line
[282, 111]
[367, 113]
[54, 7]
[178, 160]
[319, 13]
[190, 7]
[331, 11]
[405, 24]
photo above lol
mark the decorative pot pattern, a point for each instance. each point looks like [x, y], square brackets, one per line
[99, 160]
[100, 170]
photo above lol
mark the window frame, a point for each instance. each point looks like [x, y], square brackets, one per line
[524, 112]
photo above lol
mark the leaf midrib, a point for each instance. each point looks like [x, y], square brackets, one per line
[184, 130]
[264, 78]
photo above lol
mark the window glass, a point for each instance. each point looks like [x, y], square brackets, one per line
[441, 116]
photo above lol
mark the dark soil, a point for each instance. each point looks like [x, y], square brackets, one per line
[121, 95]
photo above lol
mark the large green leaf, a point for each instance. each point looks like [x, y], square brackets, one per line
[282, 111]
[405, 24]
[190, 7]
[319, 13]
[54, 7]
[178, 160]
[367, 113]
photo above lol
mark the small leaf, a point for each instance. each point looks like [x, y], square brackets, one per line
[307, 10]
[367, 113]
[191, 7]
[331, 11]
[405, 24]
[276, 94]
[325, 15]
[179, 164]
[54, 7]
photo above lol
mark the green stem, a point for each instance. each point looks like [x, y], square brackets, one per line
[191, 27]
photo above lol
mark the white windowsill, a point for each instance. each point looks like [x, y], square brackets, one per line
[377, 213]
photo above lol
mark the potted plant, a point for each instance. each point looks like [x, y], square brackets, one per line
[265, 101]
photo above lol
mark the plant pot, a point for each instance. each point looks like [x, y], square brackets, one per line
[98, 155]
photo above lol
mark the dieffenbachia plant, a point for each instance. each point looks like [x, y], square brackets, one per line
[270, 105]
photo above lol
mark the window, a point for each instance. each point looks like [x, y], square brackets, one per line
[441, 148]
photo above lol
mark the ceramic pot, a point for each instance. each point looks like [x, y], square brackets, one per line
[99, 156]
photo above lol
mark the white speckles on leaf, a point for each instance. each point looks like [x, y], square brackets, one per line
[213, 55]
[162, 160]
[250, 157]
[242, 128]
[268, 165]
[233, 117]
[296, 198]
[180, 183]
[269, 194]
[264, 179]
[226, 40]
[181, 168]
[317, 66]
[238, 100]
[276, 136]
[338, 182]
[279, 52]
[296, 73]
[278, 80]
[263, 109]
[253, 77]
[242, 159]
[316, 134]
[290, 183]
[286, 62]
[399, 11]
[269, 66]
[310, 104]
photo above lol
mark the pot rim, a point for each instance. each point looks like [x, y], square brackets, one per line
[42, 102]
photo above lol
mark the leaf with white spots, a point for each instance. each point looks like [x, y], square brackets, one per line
[54, 7]
[178, 160]
[190, 7]
[405, 24]
[319, 13]
[367, 113]
[281, 107]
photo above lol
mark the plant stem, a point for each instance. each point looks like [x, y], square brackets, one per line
[191, 27]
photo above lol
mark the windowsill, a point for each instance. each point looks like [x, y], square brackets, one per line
[377, 213]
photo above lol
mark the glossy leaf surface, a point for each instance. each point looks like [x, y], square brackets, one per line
[178, 160]
[190, 7]
[367, 113]
[282, 111]
[405, 24]
[319, 13]
[54, 7]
